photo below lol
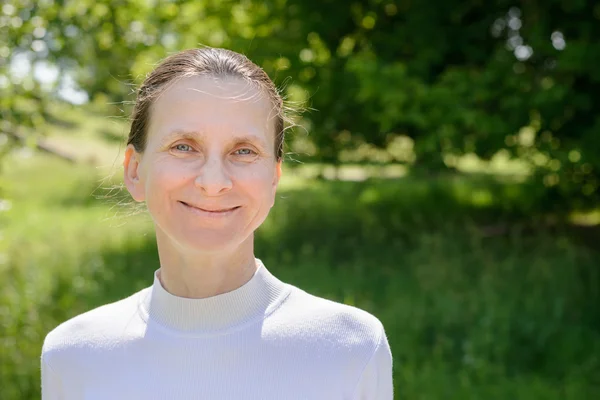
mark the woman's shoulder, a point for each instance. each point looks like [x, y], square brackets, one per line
[342, 336]
[89, 329]
[332, 318]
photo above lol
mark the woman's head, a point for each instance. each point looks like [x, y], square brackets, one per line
[206, 61]
[206, 135]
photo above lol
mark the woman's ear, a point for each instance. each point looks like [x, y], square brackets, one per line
[276, 178]
[277, 175]
[131, 165]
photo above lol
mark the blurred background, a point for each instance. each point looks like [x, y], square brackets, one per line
[443, 175]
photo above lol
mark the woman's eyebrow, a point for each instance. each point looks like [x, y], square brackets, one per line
[200, 137]
[249, 139]
[180, 134]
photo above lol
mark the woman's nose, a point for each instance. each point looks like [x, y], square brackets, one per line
[213, 178]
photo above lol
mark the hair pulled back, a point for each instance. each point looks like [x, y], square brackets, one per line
[206, 61]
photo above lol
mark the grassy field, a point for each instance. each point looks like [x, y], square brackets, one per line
[481, 297]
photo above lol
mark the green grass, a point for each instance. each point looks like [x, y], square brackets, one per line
[480, 297]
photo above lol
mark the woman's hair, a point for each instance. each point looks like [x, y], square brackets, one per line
[205, 61]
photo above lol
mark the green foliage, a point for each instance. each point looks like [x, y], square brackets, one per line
[457, 77]
[471, 311]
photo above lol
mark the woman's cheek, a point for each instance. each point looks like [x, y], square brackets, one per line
[172, 174]
[256, 171]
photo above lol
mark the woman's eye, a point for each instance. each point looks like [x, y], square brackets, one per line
[245, 152]
[182, 147]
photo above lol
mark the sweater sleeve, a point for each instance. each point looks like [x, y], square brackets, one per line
[51, 382]
[376, 382]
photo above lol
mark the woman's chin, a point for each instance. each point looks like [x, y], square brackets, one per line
[210, 243]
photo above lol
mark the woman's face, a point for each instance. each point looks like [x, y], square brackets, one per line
[210, 148]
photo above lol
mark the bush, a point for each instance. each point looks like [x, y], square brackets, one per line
[468, 313]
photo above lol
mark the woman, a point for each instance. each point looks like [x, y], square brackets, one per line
[204, 153]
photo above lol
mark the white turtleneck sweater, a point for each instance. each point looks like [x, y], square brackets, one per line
[265, 340]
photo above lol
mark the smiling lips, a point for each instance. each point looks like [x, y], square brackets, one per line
[211, 210]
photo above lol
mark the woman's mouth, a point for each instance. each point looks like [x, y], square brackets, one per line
[210, 212]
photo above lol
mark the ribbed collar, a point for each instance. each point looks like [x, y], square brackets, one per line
[254, 300]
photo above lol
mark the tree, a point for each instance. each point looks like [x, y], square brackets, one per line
[454, 76]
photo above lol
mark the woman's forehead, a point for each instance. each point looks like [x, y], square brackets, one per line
[206, 103]
[213, 90]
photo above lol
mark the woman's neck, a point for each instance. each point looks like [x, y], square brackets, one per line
[200, 275]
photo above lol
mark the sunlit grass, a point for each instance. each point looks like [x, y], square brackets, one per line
[591, 218]
[464, 314]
